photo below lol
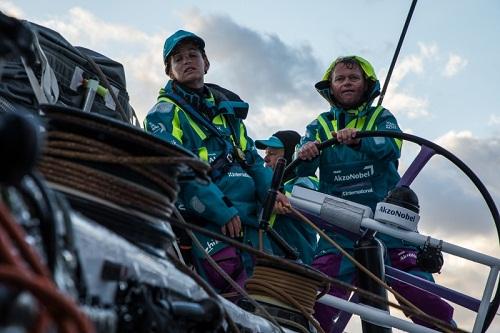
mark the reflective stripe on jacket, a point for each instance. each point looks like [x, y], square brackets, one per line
[364, 173]
[239, 190]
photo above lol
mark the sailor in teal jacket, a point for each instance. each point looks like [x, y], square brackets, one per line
[297, 234]
[208, 120]
[359, 170]
[363, 172]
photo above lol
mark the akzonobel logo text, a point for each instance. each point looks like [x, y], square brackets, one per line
[366, 173]
[397, 213]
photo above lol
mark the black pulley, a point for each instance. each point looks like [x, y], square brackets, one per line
[429, 258]
[19, 146]
[403, 196]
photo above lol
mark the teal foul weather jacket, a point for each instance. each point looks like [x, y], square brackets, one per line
[297, 234]
[364, 173]
[211, 127]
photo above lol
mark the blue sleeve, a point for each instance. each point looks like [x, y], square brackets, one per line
[160, 122]
[311, 183]
[306, 168]
[379, 148]
[205, 200]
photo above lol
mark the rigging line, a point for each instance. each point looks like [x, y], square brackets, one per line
[438, 323]
[264, 255]
[207, 287]
[396, 53]
[104, 79]
[260, 254]
[25, 271]
[222, 273]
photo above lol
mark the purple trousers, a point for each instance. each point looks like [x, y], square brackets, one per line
[230, 261]
[336, 266]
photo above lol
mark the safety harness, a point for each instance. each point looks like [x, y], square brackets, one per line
[360, 123]
[233, 151]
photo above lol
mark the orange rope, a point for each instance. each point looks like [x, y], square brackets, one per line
[21, 268]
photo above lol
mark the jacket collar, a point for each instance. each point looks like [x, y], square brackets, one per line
[202, 100]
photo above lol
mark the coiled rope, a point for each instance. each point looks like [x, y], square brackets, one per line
[291, 287]
[77, 162]
[105, 186]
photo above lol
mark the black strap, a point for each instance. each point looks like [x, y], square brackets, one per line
[179, 100]
[220, 96]
[186, 107]
[227, 157]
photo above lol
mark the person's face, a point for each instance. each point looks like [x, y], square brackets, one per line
[348, 85]
[188, 65]
[272, 156]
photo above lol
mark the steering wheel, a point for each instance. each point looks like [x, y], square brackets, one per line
[427, 150]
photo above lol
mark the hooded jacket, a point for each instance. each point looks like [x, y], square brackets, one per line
[238, 189]
[363, 173]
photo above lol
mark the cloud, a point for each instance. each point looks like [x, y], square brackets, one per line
[458, 273]
[11, 9]
[261, 68]
[428, 50]
[454, 65]
[411, 106]
[83, 27]
[451, 140]
[402, 102]
[140, 53]
[452, 209]
[293, 115]
[267, 70]
[494, 120]
[451, 206]
[482, 155]
[414, 63]
[410, 64]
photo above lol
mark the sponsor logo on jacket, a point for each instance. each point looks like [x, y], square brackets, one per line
[238, 174]
[367, 172]
[210, 245]
[403, 255]
[157, 128]
[391, 126]
[212, 157]
[354, 192]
